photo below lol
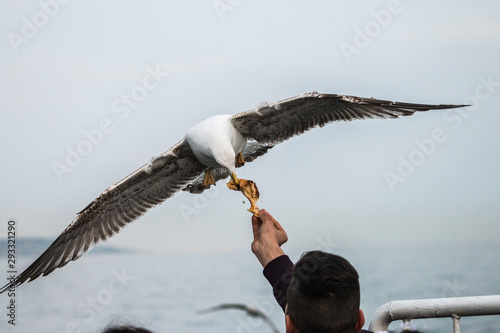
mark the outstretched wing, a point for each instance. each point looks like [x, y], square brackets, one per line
[226, 306]
[117, 206]
[277, 122]
[253, 312]
[252, 150]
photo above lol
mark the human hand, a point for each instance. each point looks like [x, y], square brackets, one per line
[268, 236]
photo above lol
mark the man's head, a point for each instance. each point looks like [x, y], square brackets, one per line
[324, 295]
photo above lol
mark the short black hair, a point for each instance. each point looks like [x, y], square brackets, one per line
[126, 329]
[324, 296]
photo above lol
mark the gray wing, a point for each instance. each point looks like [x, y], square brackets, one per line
[253, 312]
[117, 206]
[252, 150]
[226, 306]
[274, 123]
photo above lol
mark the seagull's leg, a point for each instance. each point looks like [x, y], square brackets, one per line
[240, 160]
[209, 179]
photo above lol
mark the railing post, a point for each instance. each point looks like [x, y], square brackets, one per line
[456, 323]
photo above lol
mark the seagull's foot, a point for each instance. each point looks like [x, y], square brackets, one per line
[209, 178]
[240, 160]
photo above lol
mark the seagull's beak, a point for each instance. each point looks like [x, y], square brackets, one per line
[235, 179]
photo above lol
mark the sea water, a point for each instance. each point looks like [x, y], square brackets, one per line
[163, 292]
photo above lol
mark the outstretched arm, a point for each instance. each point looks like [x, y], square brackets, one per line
[268, 236]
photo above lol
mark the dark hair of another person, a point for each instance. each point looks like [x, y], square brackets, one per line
[323, 296]
[126, 329]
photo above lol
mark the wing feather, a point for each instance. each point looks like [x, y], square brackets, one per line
[274, 123]
[117, 206]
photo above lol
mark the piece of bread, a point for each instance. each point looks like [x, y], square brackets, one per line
[249, 190]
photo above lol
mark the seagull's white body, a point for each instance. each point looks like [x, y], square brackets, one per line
[216, 143]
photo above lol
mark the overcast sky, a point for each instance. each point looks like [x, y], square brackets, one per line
[91, 90]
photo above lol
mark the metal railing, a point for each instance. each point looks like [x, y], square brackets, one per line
[455, 308]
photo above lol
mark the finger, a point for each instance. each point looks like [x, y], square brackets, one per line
[265, 214]
[256, 223]
[265, 217]
[276, 224]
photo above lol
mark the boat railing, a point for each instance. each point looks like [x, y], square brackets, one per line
[454, 307]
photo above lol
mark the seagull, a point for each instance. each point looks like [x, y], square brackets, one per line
[252, 312]
[209, 152]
